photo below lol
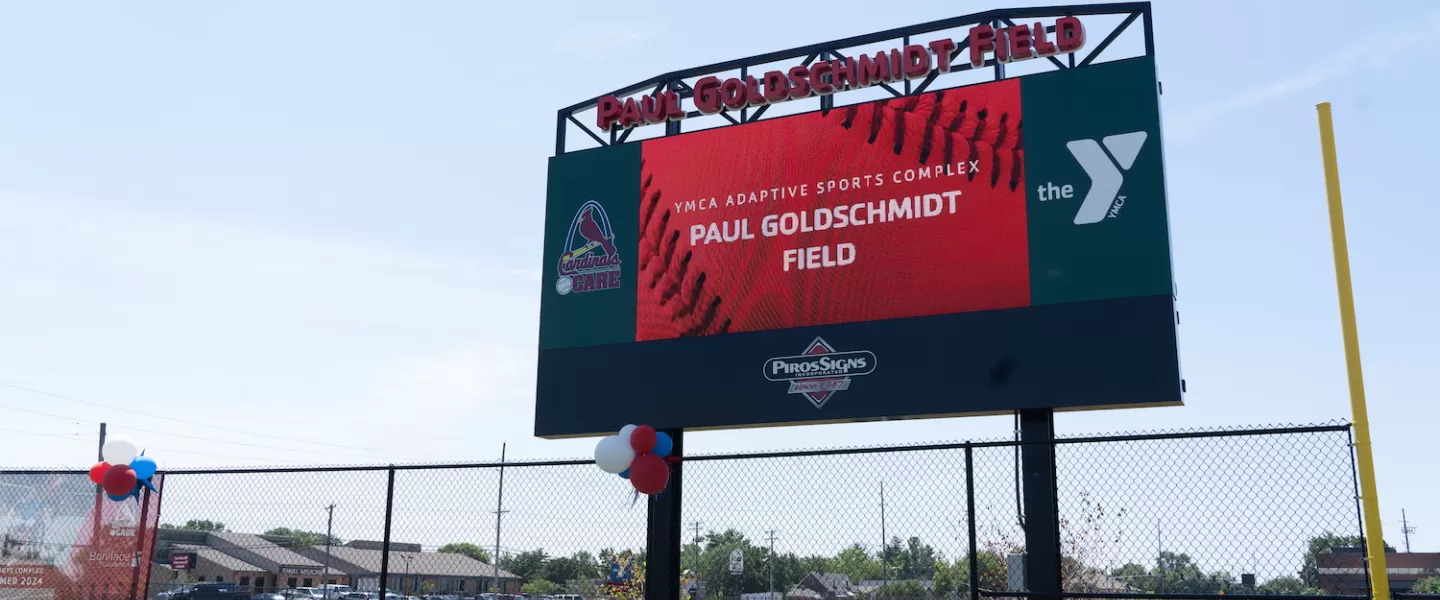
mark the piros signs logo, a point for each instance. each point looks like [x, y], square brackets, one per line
[820, 371]
[591, 261]
[820, 78]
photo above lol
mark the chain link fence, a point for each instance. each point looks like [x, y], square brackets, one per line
[1238, 512]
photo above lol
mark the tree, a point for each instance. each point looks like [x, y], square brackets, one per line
[467, 549]
[816, 564]
[913, 560]
[1429, 585]
[1287, 585]
[197, 525]
[1175, 573]
[540, 587]
[304, 538]
[946, 581]
[525, 565]
[994, 572]
[900, 590]
[857, 564]
[563, 569]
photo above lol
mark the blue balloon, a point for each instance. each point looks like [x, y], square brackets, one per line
[625, 474]
[144, 467]
[119, 498]
[663, 444]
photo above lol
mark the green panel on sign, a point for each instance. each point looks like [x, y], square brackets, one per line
[592, 219]
[1095, 193]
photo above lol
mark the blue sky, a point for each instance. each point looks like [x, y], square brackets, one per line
[322, 221]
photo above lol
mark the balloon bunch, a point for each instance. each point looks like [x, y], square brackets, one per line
[124, 470]
[637, 454]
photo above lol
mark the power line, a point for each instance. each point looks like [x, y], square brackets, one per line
[76, 438]
[78, 420]
[205, 425]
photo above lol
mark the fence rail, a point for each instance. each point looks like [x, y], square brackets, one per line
[1166, 516]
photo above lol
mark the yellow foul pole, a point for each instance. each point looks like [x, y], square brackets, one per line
[1369, 498]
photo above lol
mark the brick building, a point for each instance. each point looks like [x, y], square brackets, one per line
[1342, 570]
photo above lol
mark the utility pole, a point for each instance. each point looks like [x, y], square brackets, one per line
[1407, 529]
[99, 456]
[329, 539]
[1159, 558]
[696, 526]
[772, 564]
[884, 541]
[499, 512]
[696, 582]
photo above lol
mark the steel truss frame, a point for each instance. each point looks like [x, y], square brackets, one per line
[676, 81]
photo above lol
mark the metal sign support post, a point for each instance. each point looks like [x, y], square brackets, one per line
[662, 560]
[1042, 512]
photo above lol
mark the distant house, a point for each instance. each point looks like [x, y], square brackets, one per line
[867, 588]
[412, 570]
[214, 565]
[822, 586]
[271, 563]
[1096, 582]
[280, 567]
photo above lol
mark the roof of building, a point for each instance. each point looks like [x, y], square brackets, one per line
[869, 585]
[441, 564]
[260, 547]
[833, 581]
[1392, 559]
[219, 558]
[1092, 581]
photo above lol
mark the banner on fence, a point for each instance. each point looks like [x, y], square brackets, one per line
[62, 538]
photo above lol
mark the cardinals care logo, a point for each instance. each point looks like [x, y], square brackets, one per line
[590, 262]
[820, 371]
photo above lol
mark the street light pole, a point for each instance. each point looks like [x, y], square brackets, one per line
[329, 539]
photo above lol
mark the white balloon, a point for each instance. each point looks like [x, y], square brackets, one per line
[119, 450]
[613, 454]
[626, 431]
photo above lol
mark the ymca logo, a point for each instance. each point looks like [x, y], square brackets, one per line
[1105, 170]
[820, 371]
[591, 261]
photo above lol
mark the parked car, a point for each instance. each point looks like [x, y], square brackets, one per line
[224, 590]
[332, 591]
[268, 596]
[304, 593]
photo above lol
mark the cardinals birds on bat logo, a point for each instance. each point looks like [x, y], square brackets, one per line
[591, 261]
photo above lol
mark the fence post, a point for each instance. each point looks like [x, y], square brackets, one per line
[663, 544]
[970, 520]
[1042, 514]
[385, 546]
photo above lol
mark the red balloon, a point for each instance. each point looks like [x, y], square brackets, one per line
[119, 480]
[97, 472]
[649, 474]
[643, 439]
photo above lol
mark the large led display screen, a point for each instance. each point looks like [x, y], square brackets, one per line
[966, 251]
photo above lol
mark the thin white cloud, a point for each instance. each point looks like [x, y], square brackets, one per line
[1378, 49]
[250, 328]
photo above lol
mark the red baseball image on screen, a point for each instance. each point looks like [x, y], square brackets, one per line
[909, 207]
